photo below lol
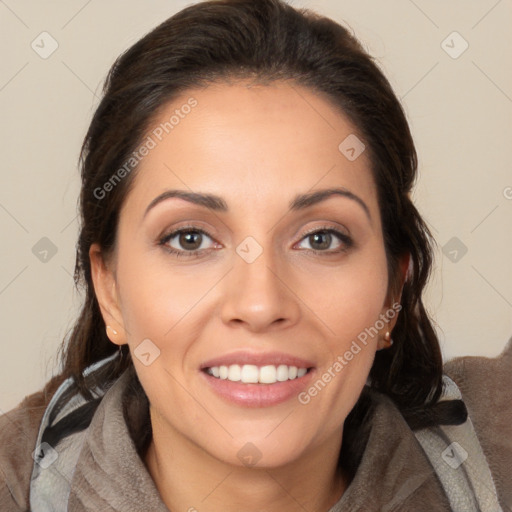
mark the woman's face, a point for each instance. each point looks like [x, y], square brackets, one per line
[248, 282]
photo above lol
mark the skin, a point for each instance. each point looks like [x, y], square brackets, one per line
[257, 147]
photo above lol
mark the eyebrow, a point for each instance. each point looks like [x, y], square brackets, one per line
[299, 202]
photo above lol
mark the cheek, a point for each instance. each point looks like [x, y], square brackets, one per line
[349, 297]
[155, 297]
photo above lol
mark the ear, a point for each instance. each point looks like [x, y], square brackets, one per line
[405, 272]
[103, 278]
[392, 308]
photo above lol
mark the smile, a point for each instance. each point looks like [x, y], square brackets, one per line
[252, 374]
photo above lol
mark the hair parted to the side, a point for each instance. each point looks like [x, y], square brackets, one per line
[263, 41]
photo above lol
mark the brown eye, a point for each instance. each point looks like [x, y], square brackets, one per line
[322, 239]
[185, 242]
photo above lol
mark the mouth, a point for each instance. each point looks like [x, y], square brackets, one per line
[248, 379]
[253, 374]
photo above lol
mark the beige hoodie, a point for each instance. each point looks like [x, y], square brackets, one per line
[394, 473]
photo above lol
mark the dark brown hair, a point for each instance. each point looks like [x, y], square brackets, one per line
[263, 41]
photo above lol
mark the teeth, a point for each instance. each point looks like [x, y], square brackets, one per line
[252, 374]
[282, 373]
[234, 373]
[267, 374]
[249, 373]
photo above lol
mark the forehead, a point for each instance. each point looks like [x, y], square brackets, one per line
[253, 145]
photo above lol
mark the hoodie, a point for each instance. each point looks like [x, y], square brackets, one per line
[99, 466]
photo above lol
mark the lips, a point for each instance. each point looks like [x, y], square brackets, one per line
[267, 383]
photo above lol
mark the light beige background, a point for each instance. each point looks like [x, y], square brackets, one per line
[460, 112]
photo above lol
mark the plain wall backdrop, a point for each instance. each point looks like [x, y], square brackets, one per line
[449, 63]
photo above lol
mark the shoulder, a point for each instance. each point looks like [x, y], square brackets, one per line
[485, 383]
[486, 387]
[18, 433]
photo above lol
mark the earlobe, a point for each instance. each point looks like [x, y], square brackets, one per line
[386, 341]
[105, 289]
[113, 335]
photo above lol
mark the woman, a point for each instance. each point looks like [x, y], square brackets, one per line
[253, 334]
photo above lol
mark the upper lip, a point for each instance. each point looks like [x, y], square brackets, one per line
[258, 359]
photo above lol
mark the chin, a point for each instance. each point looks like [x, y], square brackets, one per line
[262, 453]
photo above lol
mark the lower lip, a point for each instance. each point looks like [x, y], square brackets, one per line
[258, 395]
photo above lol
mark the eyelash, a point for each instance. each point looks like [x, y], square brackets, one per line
[345, 239]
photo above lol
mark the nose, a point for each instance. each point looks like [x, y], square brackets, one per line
[258, 296]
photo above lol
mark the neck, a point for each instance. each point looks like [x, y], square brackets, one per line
[188, 478]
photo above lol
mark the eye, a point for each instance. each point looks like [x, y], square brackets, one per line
[189, 241]
[321, 239]
[185, 241]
